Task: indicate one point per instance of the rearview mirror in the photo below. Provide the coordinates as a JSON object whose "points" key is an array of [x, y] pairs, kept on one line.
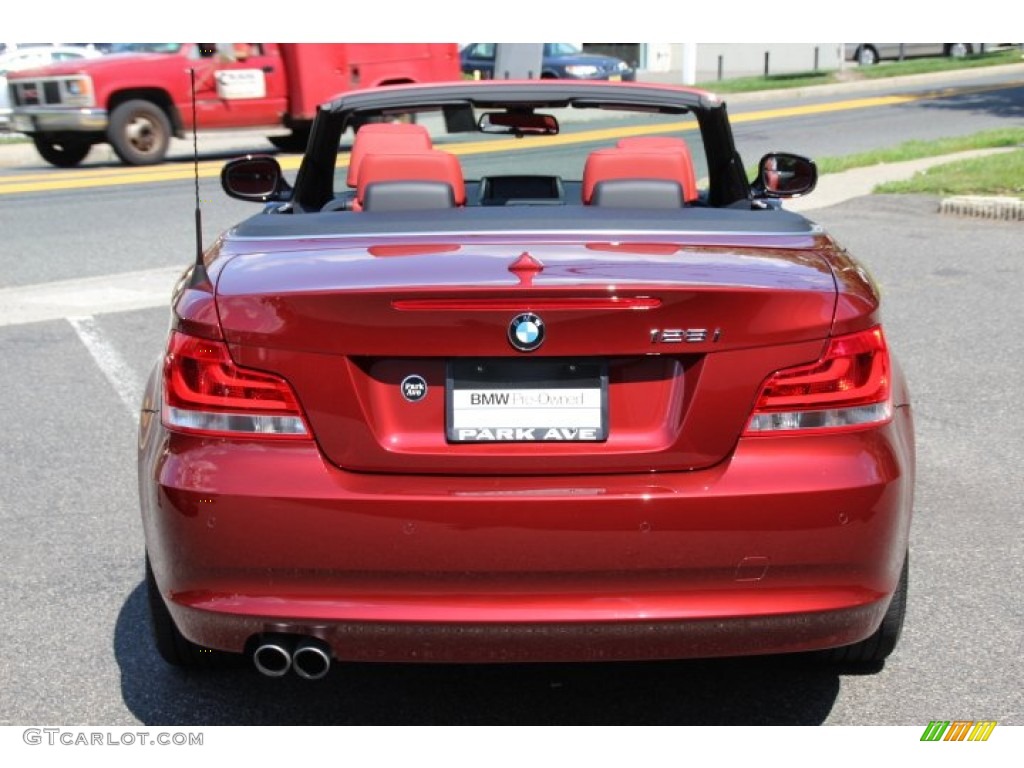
{"points": [[781, 174], [518, 123], [254, 178]]}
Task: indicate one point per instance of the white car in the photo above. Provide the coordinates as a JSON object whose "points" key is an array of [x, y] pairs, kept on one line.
{"points": [[29, 57]]}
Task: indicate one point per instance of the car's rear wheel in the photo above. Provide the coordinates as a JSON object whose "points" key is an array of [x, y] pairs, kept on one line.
{"points": [[174, 647], [63, 153], [881, 644]]}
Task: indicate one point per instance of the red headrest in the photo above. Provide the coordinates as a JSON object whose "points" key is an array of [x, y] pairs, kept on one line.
{"points": [[384, 137], [642, 157], [427, 165]]}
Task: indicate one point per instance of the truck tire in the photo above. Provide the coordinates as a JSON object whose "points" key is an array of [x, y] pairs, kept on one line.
{"points": [[139, 132], [295, 141], [63, 153], [359, 122]]}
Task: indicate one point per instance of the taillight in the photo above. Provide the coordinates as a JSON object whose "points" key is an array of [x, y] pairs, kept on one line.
{"points": [[849, 386], [206, 393]]}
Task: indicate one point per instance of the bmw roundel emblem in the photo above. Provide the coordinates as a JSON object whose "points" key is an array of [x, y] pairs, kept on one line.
{"points": [[526, 332]]}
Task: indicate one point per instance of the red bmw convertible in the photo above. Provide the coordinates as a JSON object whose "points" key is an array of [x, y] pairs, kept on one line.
{"points": [[527, 371]]}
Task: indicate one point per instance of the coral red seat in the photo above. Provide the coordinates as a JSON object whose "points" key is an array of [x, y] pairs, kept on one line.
{"points": [[385, 137], [641, 172], [411, 181]]}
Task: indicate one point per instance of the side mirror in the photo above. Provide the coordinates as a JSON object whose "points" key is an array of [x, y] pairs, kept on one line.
{"points": [[781, 174], [254, 178]]}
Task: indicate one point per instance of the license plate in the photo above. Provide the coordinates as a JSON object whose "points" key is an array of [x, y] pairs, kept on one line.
{"points": [[501, 400], [21, 123], [615, 78]]}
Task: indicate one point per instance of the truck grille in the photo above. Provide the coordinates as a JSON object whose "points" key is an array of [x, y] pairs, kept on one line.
{"points": [[30, 93]]}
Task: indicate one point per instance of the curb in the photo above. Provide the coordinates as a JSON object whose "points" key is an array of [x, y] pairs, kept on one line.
{"points": [[998, 208]]}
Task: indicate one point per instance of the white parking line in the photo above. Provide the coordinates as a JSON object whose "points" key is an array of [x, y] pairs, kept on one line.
{"points": [[88, 296], [114, 367]]}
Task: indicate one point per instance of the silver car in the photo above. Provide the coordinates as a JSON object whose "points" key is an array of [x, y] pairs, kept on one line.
{"points": [[872, 53]]}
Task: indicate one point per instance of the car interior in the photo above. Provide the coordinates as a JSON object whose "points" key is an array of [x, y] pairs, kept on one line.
{"points": [[426, 150], [395, 167]]}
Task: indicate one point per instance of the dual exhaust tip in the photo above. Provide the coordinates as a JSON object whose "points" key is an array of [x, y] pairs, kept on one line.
{"points": [[276, 655]]}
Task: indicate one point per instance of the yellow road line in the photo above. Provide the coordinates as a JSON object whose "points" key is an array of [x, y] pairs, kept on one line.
{"points": [[147, 175], [180, 167], [107, 177]]}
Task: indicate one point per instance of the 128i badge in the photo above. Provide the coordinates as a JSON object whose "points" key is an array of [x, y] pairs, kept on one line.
{"points": [[414, 388]]}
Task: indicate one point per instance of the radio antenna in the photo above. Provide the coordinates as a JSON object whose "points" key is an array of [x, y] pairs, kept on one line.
{"points": [[199, 269]]}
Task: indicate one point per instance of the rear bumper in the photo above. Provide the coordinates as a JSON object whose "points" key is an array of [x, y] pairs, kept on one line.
{"points": [[794, 543]]}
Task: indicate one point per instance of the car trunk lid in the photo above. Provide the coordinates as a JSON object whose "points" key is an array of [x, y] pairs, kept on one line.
{"points": [[663, 343]]}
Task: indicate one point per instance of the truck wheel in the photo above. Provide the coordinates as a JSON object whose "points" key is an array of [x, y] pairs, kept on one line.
{"points": [[139, 132], [359, 122], [62, 153], [295, 141]]}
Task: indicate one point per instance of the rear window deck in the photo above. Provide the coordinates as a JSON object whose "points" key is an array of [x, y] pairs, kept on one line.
{"points": [[528, 220]]}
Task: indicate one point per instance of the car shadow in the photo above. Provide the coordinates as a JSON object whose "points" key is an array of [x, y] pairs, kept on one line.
{"points": [[763, 691]]}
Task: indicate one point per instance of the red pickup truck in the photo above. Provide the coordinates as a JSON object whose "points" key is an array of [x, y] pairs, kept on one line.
{"points": [[137, 99]]}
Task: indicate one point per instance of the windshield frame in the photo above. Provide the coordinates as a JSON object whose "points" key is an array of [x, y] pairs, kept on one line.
{"points": [[728, 184]]}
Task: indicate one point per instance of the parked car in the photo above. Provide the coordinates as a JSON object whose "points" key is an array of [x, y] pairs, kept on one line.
{"points": [[29, 57], [534, 396], [559, 60], [871, 53]]}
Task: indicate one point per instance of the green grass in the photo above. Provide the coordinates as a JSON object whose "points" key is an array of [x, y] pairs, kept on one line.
{"points": [[938, 64], [998, 175], [851, 72], [915, 149], [912, 150], [761, 83]]}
